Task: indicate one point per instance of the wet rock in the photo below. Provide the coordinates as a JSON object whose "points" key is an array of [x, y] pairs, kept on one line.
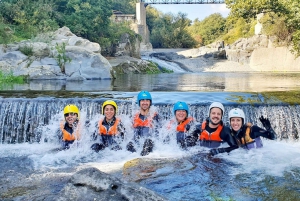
{"points": [[143, 168], [92, 184]]}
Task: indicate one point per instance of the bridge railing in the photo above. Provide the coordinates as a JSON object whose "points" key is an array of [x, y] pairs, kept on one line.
{"points": [[183, 1]]}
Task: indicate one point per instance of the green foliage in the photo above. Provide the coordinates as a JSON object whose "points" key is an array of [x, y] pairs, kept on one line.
{"points": [[208, 30], [88, 19], [10, 78], [6, 34], [28, 17], [113, 34], [296, 42], [275, 25], [26, 49], [170, 31], [239, 29], [282, 17], [61, 57], [250, 8], [165, 70], [125, 6]]}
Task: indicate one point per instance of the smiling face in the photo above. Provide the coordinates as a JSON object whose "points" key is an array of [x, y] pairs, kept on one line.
{"points": [[145, 104], [180, 115], [71, 118], [236, 123], [215, 115], [109, 112]]}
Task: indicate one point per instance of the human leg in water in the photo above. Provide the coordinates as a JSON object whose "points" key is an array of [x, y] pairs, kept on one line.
{"points": [[180, 137], [98, 147], [190, 141], [130, 147], [66, 144], [116, 147], [148, 147]]}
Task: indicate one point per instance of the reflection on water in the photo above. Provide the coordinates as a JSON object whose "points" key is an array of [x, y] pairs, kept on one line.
{"points": [[230, 82]]}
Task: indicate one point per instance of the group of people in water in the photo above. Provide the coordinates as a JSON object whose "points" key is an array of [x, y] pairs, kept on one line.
{"points": [[212, 133]]}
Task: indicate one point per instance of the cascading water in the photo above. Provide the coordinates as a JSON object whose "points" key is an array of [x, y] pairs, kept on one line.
{"points": [[28, 136], [22, 120]]}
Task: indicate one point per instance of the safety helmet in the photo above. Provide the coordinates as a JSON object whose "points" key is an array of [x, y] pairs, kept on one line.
{"points": [[181, 106], [110, 102], [237, 112], [217, 105], [71, 108], [144, 95]]}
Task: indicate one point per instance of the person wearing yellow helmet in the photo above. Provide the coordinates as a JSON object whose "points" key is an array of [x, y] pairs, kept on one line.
{"points": [[69, 128], [110, 128]]}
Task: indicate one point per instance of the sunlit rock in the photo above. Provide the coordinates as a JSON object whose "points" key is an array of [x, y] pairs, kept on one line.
{"points": [[143, 168], [92, 184]]}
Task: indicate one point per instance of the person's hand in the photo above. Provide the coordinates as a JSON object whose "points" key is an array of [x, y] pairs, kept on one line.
{"points": [[265, 122], [187, 127], [214, 152]]}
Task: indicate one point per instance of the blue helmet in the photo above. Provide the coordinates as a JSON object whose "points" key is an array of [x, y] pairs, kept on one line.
{"points": [[181, 106], [144, 95]]}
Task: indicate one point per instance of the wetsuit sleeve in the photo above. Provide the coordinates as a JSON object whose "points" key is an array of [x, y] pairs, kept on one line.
{"points": [[260, 132], [59, 134], [121, 129], [157, 124], [227, 137], [96, 132], [196, 131]]}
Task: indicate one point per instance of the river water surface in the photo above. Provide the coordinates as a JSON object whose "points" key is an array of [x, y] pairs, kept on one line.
{"points": [[271, 173]]}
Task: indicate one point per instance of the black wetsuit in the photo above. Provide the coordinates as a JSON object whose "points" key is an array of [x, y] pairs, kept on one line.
{"points": [[110, 140], [145, 132], [254, 134], [224, 135]]}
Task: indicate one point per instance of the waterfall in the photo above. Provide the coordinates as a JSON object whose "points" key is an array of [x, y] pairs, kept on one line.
{"points": [[23, 120]]}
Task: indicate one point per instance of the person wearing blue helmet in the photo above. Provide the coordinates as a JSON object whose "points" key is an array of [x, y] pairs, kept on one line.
{"points": [[182, 122], [145, 123]]}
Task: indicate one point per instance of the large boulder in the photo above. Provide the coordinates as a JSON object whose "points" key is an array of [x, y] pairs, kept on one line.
{"points": [[92, 184], [82, 58]]}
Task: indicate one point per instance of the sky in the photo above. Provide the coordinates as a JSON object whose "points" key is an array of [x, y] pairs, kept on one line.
{"points": [[193, 11]]}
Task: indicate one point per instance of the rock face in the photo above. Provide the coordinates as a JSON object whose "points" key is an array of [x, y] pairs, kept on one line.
{"points": [[263, 53], [86, 60], [92, 184]]}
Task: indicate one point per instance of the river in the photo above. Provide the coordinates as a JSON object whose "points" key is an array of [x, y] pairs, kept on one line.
{"points": [[271, 173]]}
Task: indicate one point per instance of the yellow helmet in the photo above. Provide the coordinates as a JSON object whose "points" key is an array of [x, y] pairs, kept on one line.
{"points": [[110, 102], [71, 108]]}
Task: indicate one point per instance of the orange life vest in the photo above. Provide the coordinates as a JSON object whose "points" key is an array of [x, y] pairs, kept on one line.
{"points": [[69, 136], [181, 126], [214, 136], [138, 122], [111, 131]]}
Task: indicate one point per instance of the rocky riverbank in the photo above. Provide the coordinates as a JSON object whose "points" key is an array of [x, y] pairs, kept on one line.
{"points": [[200, 60]]}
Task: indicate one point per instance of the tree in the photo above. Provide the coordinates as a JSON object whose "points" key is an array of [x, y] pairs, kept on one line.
{"points": [[209, 29], [250, 8], [170, 31], [89, 18]]}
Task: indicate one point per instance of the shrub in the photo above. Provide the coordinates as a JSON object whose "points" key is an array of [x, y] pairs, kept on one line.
{"points": [[61, 57], [26, 49]]}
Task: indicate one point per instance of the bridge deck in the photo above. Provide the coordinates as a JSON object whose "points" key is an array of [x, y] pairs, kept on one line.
{"points": [[183, 1]]}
